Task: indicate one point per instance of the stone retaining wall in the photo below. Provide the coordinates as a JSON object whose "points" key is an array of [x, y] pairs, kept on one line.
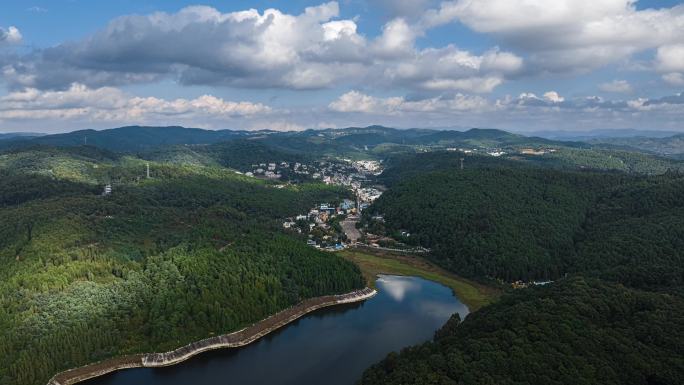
{"points": [[236, 339]]}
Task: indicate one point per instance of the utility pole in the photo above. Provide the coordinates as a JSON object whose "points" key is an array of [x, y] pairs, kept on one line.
{"points": [[462, 159], [85, 140]]}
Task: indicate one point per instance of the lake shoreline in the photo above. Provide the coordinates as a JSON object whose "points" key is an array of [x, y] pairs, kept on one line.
{"points": [[373, 262], [231, 340]]}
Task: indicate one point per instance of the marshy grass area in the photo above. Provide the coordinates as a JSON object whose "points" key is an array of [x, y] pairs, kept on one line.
{"points": [[474, 295]]}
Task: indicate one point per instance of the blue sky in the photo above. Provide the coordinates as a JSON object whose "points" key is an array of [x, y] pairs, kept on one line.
{"points": [[518, 65]]}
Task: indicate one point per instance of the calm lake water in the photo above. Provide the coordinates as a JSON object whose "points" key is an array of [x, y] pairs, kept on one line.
{"points": [[329, 346]]}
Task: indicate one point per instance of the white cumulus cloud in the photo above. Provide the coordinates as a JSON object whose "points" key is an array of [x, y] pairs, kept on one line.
{"points": [[10, 35], [199, 45], [670, 61], [567, 35], [108, 104], [355, 101]]}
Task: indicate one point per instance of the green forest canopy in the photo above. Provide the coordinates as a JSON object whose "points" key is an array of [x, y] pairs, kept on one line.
{"points": [[618, 318], [538, 223], [192, 252], [576, 332]]}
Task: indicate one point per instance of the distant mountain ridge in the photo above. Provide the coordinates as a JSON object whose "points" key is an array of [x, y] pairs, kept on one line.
{"points": [[130, 138], [142, 138], [604, 134], [13, 135], [672, 146], [338, 142]]}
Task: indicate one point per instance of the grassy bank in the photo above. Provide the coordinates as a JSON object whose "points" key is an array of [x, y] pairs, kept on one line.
{"points": [[372, 263]]}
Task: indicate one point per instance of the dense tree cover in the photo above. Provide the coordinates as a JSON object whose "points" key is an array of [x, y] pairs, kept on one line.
{"points": [[16, 189], [530, 223], [671, 146], [521, 221], [609, 159], [239, 154], [406, 166], [238, 148], [635, 234], [577, 331], [79, 164], [403, 166], [503, 223], [192, 252], [130, 139]]}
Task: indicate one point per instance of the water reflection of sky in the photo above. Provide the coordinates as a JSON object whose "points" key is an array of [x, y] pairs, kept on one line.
{"points": [[331, 346], [397, 287]]}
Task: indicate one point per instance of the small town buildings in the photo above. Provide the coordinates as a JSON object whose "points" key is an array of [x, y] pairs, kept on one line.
{"points": [[531, 151], [347, 204]]}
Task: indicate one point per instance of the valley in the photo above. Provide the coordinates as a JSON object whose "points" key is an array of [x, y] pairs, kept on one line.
{"points": [[110, 253]]}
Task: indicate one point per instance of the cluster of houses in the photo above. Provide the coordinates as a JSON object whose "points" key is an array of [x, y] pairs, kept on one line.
{"points": [[334, 172], [318, 224], [368, 195], [368, 167], [322, 224], [536, 151], [523, 284], [489, 151], [270, 170], [499, 152]]}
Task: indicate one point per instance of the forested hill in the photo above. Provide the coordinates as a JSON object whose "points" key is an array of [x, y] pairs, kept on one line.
{"points": [[128, 139], [579, 331], [239, 154], [537, 223], [191, 252], [613, 243], [374, 142], [669, 146]]}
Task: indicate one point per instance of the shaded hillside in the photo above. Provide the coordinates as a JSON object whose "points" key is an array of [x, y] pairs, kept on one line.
{"points": [[483, 137], [635, 234], [18, 135], [503, 220], [579, 331], [508, 223], [129, 139], [668, 146]]}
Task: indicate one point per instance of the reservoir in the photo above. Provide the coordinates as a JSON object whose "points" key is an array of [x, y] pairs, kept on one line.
{"points": [[329, 346]]}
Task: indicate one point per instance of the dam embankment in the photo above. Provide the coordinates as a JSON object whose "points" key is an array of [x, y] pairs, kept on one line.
{"points": [[231, 340]]}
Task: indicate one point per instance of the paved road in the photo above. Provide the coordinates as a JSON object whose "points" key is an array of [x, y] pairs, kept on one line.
{"points": [[350, 230]]}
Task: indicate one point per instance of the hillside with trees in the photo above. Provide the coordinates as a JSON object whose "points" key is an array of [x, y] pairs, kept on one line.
{"points": [[578, 331], [197, 248], [189, 253], [198, 146], [612, 243], [535, 223]]}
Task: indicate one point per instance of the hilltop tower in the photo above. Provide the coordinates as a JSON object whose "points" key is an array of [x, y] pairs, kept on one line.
{"points": [[148, 170], [462, 159]]}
